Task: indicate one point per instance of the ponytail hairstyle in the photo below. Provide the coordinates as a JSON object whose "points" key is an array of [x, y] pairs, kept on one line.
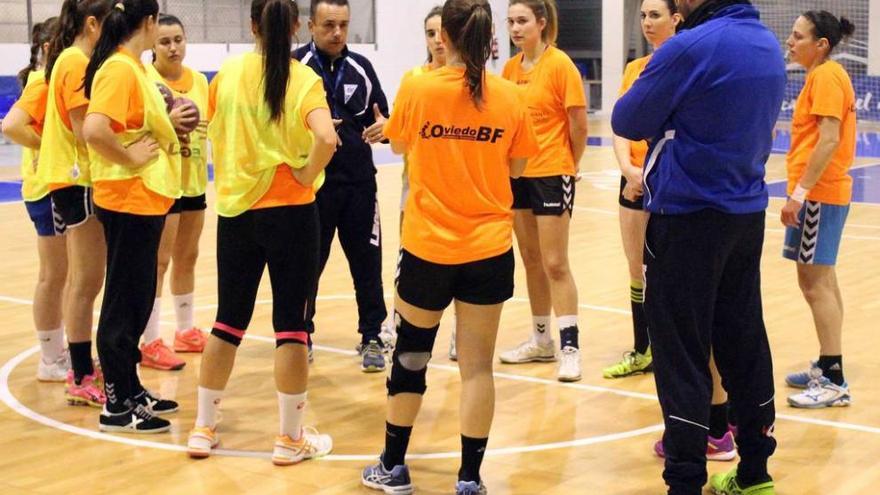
{"points": [[468, 24], [121, 23], [169, 20], [826, 25], [40, 35], [547, 10], [275, 22], [435, 11], [670, 4], [71, 23]]}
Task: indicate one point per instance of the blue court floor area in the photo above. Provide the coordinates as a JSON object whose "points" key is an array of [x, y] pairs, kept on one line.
{"points": [[866, 179]]}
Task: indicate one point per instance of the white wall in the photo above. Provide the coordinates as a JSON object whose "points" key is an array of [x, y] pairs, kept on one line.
{"points": [[399, 44], [874, 38]]}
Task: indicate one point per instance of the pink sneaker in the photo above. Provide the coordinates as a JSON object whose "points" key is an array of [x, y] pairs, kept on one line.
{"points": [[159, 356], [718, 449], [87, 393], [190, 340]]}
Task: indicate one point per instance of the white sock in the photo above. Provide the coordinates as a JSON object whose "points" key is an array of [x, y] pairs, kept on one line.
{"points": [[183, 308], [567, 321], [209, 403], [51, 344], [151, 332], [541, 329], [291, 409]]}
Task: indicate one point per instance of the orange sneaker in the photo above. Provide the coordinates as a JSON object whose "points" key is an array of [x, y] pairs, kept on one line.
{"points": [[310, 445], [190, 340], [157, 355], [201, 441]]}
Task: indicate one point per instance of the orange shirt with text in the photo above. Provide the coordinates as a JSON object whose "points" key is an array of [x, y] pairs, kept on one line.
{"points": [[459, 207], [551, 87]]}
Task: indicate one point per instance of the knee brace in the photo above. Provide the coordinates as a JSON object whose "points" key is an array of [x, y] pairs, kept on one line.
{"points": [[227, 333], [410, 359], [293, 337]]}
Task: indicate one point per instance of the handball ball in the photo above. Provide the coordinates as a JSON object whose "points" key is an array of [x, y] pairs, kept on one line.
{"points": [[184, 102], [167, 95]]}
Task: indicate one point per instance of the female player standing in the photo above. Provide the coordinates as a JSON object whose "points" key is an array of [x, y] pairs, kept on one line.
{"points": [[183, 225], [64, 165], [544, 195], [136, 175], [823, 142], [272, 137], [23, 125], [466, 134]]}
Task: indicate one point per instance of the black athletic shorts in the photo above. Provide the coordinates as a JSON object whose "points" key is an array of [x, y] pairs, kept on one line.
{"points": [[195, 203], [74, 204], [544, 195], [638, 204], [433, 286]]}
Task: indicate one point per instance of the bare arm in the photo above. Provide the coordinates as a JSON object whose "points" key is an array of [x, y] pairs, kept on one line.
{"points": [[99, 135], [829, 141], [17, 127], [323, 147], [517, 167], [577, 125], [77, 119]]}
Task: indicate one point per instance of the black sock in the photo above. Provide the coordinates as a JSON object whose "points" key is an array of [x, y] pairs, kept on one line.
{"points": [[641, 340], [396, 443], [731, 414], [81, 360], [114, 404], [472, 451], [568, 337], [718, 420], [832, 368]]}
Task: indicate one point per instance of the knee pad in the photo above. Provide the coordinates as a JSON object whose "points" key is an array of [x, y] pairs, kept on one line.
{"points": [[410, 359], [295, 337]]}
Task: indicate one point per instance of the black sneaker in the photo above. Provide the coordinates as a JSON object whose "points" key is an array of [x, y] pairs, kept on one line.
{"points": [[135, 420], [155, 405]]}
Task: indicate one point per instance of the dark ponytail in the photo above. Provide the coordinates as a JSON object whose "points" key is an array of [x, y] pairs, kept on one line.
{"points": [[468, 23], [826, 25], [41, 34], [276, 22], [71, 22], [121, 23]]}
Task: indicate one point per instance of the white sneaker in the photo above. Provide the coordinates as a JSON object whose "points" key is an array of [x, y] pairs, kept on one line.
{"points": [[201, 441], [310, 445], [569, 365], [819, 395], [529, 351], [453, 354], [54, 372]]}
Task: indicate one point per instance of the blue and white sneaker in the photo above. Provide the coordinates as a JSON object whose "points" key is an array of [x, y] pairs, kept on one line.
{"points": [[373, 360], [394, 482], [803, 378], [820, 395], [470, 488]]}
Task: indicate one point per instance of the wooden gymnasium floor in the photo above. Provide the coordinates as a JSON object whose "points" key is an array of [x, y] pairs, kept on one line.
{"points": [[592, 437]]}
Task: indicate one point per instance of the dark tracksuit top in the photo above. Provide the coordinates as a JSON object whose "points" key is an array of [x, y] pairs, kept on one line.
{"points": [[347, 201]]}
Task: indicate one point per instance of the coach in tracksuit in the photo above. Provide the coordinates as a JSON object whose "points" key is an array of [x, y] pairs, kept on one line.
{"points": [[708, 101], [347, 201]]}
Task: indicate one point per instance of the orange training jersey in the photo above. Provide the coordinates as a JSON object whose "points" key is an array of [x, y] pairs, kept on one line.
{"points": [[552, 86], [638, 150], [117, 95], [828, 92], [459, 206]]}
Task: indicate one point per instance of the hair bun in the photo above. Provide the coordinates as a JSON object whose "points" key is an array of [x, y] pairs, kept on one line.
{"points": [[847, 28]]}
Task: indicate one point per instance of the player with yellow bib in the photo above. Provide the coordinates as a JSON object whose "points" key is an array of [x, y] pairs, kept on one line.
{"points": [[272, 137], [135, 169]]}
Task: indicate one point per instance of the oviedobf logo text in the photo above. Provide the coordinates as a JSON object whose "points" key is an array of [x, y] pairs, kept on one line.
{"points": [[479, 134]]}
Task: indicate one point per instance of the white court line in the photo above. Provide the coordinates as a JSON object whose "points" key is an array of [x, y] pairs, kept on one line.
{"points": [[7, 397]]}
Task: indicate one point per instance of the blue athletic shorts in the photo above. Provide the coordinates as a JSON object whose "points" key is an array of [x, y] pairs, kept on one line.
{"points": [[46, 220], [817, 240]]}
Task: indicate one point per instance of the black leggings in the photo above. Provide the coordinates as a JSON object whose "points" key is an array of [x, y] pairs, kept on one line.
{"points": [[284, 238], [129, 293]]}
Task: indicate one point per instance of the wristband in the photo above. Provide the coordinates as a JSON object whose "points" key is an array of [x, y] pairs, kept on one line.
{"points": [[799, 194]]}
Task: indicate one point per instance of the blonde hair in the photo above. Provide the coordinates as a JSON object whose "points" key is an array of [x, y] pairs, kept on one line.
{"points": [[547, 10]]}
